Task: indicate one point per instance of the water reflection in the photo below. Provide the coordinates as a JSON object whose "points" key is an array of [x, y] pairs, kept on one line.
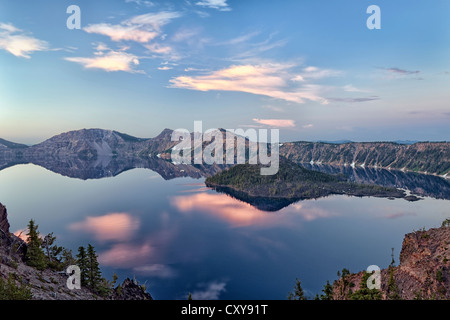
{"points": [[109, 227], [111, 166], [180, 237], [420, 184]]}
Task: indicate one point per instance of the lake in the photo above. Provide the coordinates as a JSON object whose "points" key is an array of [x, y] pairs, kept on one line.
{"points": [[177, 236]]}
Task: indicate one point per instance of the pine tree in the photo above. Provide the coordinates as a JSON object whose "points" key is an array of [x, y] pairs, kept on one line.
{"points": [[364, 293], [392, 290], [67, 258], [52, 251], [328, 292], [94, 278], [298, 293], [35, 256], [82, 263]]}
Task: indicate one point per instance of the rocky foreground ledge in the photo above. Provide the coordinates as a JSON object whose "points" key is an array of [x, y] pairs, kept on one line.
{"points": [[49, 284], [422, 274]]}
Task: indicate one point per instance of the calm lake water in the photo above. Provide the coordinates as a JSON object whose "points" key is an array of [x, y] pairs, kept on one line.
{"points": [[178, 236]]}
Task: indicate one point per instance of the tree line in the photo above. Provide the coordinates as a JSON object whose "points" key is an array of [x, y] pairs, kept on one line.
{"points": [[43, 253]]}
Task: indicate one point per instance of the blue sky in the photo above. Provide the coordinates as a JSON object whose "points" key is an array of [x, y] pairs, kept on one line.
{"points": [[310, 68]]}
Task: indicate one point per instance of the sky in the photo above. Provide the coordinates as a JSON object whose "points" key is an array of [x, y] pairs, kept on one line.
{"points": [[312, 69]]}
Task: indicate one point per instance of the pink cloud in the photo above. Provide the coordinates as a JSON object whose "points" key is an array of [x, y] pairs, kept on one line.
{"points": [[122, 32], [236, 212], [270, 79], [282, 123], [125, 255], [113, 226], [110, 61]]}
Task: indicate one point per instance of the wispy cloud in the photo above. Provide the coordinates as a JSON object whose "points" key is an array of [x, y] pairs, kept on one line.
{"points": [[268, 79], [109, 61], [281, 123], [141, 28], [155, 270], [402, 71], [155, 20], [221, 5], [16, 42], [351, 88], [398, 73], [315, 73], [353, 100], [141, 2], [209, 291]]}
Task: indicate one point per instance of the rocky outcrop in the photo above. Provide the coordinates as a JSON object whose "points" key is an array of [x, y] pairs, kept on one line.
{"points": [[4, 224], [423, 271], [131, 290]]}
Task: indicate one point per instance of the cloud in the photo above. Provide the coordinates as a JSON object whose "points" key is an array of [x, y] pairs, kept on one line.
{"points": [[19, 44], [142, 29], [315, 73], [214, 4], [22, 234], [154, 20], [398, 73], [353, 100], [110, 61], [159, 49], [351, 88], [141, 2], [307, 126], [122, 32], [155, 270], [210, 291], [112, 226], [401, 71], [268, 79], [235, 212], [276, 122], [124, 255]]}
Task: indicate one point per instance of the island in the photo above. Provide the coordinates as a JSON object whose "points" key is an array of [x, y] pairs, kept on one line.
{"points": [[291, 183]]}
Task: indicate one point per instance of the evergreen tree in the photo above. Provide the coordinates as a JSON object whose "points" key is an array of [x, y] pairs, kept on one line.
{"points": [[82, 263], [35, 256], [365, 293], [298, 293], [94, 278], [67, 258], [344, 274], [328, 292], [392, 289], [9, 290], [52, 251]]}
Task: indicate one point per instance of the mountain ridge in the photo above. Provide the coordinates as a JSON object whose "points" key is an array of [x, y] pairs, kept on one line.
{"points": [[423, 157]]}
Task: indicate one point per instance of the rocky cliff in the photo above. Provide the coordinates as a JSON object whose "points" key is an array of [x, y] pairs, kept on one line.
{"points": [[423, 271], [425, 157], [49, 284]]}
